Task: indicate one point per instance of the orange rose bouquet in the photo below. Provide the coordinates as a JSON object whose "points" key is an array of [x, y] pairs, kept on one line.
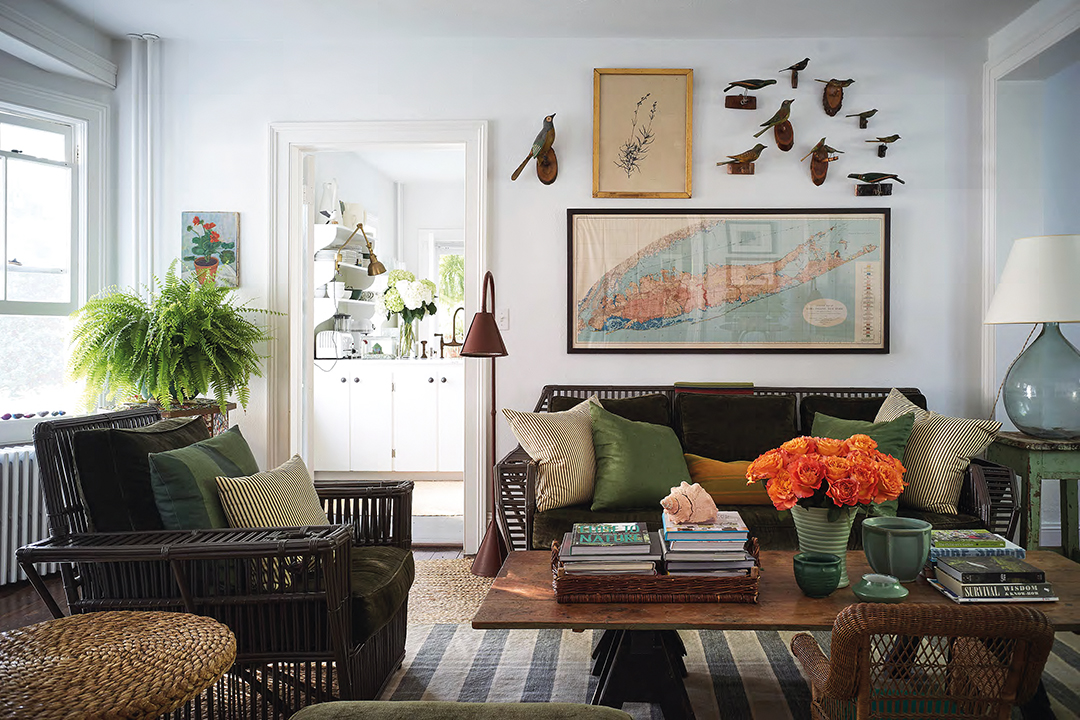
{"points": [[825, 473]]}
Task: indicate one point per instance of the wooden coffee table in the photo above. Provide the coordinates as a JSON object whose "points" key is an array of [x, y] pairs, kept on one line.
{"points": [[640, 658]]}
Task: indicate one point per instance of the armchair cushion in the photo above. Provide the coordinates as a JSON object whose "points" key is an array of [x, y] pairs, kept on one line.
{"points": [[114, 471], [845, 407], [184, 480], [380, 578], [282, 497], [937, 454], [655, 408], [734, 427]]}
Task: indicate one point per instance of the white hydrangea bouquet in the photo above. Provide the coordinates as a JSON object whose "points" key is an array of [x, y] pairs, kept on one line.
{"points": [[410, 298]]}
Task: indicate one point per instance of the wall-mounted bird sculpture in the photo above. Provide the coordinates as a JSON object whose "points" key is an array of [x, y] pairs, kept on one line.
{"points": [[864, 117], [874, 178], [832, 98], [781, 116], [819, 165], [745, 157], [750, 84], [801, 65], [883, 143], [543, 153]]}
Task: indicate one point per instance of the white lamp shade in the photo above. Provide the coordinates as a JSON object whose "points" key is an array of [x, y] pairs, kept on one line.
{"points": [[1040, 282]]}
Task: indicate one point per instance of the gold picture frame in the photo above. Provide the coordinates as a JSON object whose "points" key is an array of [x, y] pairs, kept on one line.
{"points": [[642, 132]]}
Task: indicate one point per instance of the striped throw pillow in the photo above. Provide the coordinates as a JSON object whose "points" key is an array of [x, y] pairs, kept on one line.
{"points": [[937, 454], [561, 444], [282, 497]]}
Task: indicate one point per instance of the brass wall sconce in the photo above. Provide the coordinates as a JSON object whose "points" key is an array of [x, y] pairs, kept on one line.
{"points": [[374, 266]]}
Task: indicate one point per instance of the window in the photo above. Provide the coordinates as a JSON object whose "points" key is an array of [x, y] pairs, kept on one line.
{"points": [[41, 231], [449, 258]]}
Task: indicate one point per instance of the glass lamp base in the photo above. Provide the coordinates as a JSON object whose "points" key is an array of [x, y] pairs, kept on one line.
{"points": [[1042, 388]]}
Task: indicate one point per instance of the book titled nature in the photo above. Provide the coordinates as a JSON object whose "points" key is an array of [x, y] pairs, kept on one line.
{"points": [[957, 599], [990, 569], [610, 534], [965, 538], [569, 552], [727, 525], [1016, 591]]}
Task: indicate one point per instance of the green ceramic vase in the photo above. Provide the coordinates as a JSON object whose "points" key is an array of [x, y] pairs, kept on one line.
{"points": [[896, 546], [817, 534], [816, 574]]}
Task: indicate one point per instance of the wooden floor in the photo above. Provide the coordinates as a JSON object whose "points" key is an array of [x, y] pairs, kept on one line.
{"points": [[20, 604]]}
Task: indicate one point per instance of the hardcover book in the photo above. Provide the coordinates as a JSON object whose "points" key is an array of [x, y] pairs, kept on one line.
{"points": [[568, 552], [957, 599], [727, 525], [990, 569], [725, 565], [965, 538], [1010, 549], [1015, 591], [611, 534]]}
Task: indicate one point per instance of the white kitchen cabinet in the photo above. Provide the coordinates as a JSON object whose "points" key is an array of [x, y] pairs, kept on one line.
{"points": [[393, 415]]}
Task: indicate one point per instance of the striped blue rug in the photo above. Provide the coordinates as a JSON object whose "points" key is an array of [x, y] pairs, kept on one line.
{"points": [[753, 672]]}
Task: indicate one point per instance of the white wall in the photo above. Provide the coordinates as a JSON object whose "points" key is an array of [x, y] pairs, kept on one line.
{"points": [[219, 98], [1061, 152]]}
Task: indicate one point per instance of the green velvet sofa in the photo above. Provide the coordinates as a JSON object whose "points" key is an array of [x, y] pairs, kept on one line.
{"points": [[408, 710], [729, 425]]}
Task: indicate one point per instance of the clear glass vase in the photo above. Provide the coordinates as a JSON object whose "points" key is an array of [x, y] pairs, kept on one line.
{"points": [[406, 339], [1042, 388]]}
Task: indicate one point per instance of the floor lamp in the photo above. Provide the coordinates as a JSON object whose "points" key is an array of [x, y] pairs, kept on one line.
{"points": [[484, 341]]}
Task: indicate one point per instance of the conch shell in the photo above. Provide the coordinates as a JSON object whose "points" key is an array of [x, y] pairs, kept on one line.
{"points": [[689, 504]]}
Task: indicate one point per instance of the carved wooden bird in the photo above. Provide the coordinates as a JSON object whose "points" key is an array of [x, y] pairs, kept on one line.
{"points": [[838, 83], [876, 177], [745, 157], [540, 145], [885, 140], [751, 84], [821, 147], [865, 114], [801, 65], [781, 115]]}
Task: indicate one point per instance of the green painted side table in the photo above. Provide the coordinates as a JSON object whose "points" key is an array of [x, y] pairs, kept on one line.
{"points": [[1034, 460]]}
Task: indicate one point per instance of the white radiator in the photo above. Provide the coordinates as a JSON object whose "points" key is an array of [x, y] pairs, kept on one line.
{"points": [[23, 518]]}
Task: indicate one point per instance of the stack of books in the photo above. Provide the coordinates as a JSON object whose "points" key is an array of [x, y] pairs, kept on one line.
{"points": [[991, 578], [971, 543], [712, 548], [610, 549]]}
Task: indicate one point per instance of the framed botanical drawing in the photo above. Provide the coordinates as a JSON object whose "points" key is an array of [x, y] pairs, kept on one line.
{"points": [[642, 132], [673, 281], [209, 250]]}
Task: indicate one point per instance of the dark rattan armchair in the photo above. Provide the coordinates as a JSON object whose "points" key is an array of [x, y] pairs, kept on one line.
{"points": [[285, 592], [926, 661]]}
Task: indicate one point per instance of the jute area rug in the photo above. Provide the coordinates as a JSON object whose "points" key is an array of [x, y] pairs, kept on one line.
{"points": [[732, 675]]}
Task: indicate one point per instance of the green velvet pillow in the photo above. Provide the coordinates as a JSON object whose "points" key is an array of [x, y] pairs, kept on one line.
{"points": [[637, 463], [114, 473], [185, 480], [891, 438]]}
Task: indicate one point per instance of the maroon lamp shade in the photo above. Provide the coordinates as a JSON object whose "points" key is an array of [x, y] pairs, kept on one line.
{"points": [[483, 338]]}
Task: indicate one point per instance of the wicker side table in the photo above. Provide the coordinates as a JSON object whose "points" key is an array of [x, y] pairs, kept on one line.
{"points": [[111, 664]]}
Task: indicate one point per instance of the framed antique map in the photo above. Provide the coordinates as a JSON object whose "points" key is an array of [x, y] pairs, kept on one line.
{"points": [[728, 281]]}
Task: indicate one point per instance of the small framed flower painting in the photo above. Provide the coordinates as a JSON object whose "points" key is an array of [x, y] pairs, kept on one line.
{"points": [[209, 249]]}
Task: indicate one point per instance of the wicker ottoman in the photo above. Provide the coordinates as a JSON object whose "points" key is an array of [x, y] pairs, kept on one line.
{"points": [[111, 664]]}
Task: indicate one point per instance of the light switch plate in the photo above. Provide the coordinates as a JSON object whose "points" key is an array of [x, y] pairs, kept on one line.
{"points": [[502, 319]]}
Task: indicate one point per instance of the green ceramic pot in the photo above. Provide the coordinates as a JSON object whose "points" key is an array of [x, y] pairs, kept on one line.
{"points": [[817, 574], [896, 546], [879, 588]]}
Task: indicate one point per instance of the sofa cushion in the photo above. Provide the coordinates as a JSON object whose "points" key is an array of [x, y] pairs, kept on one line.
{"points": [[637, 463], [282, 497], [734, 427], [561, 445], [551, 525], [185, 479], [114, 470], [445, 710], [655, 408], [937, 454], [842, 407], [726, 481], [379, 579], [891, 438]]}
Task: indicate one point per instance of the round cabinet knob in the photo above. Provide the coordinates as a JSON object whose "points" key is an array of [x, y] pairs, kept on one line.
{"points": [[342, 379], [356, 379], [442, 379], [431, 380]]}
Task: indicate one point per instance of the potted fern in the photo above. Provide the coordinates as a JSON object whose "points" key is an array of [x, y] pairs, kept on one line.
{"points": [[187, 340]]}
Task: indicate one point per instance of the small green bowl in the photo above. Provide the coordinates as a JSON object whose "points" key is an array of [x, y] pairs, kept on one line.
{"points": [[817, 574]]}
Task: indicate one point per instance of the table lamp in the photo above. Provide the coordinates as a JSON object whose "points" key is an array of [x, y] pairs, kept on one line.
{"points": [[484, 341], [1041, 284]]}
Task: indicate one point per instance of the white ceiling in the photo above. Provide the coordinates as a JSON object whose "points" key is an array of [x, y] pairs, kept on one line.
{"points": [[693, 19]]}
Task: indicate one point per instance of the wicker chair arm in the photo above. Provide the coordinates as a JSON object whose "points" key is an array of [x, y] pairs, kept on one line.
{"points": [[516, 501], [990, 493], [379, 512], [806, 649]]}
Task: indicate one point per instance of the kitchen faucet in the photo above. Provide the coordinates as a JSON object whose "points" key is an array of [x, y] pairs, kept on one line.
{"points": [[453, 341]]}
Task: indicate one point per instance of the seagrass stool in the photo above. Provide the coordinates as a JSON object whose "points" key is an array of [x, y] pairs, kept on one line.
{"points": [[111, 664], [915, 660]]}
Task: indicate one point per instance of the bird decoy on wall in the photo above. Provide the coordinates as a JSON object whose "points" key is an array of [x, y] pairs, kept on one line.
{"points": [[864, 117], [832, 98], [819, 163], [743, 163], [782, 130], [801, 65], [875, 183], [547, 164], [744, 101], [884, 143]]}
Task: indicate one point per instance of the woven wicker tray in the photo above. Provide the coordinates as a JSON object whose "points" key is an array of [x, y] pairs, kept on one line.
{"points": [[655, 588]]}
